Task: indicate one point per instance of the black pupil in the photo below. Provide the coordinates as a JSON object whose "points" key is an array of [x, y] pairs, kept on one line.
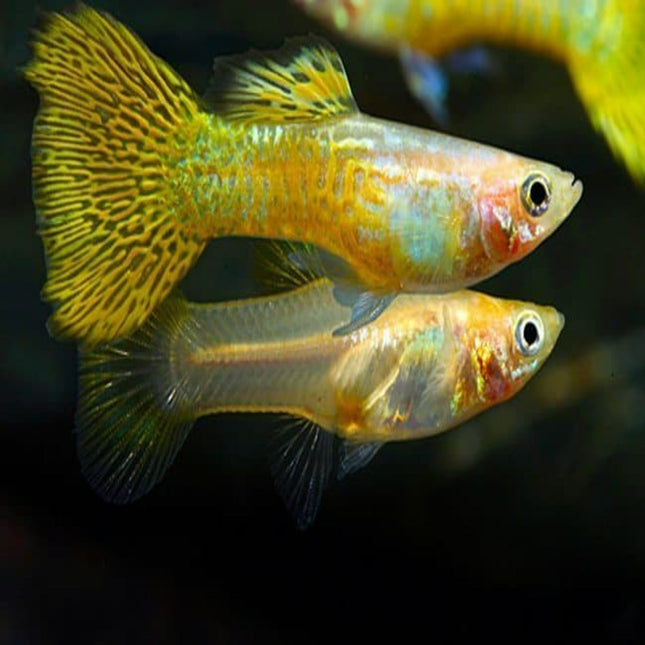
{"points": [[537, 193], [530, 333]]}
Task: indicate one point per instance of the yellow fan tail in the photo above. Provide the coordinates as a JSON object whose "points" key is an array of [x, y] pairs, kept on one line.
{"points": [[111, 114]]}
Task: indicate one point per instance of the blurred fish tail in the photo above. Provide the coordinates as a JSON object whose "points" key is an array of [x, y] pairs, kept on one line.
{"points": [[131, 420], [606, 64], [111, 114]]}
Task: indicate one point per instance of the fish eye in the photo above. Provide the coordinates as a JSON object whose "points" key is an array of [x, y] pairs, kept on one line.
{"points": [[529, 333], [536, 194]]}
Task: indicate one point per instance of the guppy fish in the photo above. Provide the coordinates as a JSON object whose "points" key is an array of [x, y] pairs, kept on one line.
{"points": [[133, 173], [602, 43], [428, 363]]}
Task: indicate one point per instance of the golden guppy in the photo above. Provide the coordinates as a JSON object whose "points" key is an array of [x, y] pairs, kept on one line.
{"points": [[602, 43], [133, 173], [428, 363]]}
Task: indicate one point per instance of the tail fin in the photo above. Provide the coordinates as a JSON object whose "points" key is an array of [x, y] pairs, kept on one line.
{"points": [[130, 421], [110, 115], [607, 70]]}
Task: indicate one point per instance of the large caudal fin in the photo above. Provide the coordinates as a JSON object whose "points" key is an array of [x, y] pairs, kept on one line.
{"points": [[130, 421], [607, 70], [111, 114]]}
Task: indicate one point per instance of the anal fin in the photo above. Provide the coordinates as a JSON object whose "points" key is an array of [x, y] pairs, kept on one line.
{"points": [[303, 461], [301, 468]]}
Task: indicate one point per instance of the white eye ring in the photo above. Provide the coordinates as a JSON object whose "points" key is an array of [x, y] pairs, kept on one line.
{"points": [[529, 333], [536, 194]]}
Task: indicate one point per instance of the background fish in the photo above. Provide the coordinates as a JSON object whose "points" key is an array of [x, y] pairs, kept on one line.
{"points": [[133, 174], [427, 364], [602, 43]]}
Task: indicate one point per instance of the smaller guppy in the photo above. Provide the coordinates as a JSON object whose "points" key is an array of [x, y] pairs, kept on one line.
{"points": [[428, 363], [602, 43], [134, 173]]}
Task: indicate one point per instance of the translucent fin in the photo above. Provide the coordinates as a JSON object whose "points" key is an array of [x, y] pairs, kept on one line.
{"points": [[348, 291], [285, 265], [366, 307], [301, 467], [130, 422], [428, 82], [354, 456], [310, 260], [422, 392], [606, 64], [281, 265], [288, 264], [302, 81], [110, 113]]}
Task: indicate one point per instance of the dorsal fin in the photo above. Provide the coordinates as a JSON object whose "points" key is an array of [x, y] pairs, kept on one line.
{"points": [[304, 80]]}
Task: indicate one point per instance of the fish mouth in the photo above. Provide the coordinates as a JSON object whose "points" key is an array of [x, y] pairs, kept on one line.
{"points": [[553, 321], [570, 194], [576, 189], [556, 324], [561, 320]]}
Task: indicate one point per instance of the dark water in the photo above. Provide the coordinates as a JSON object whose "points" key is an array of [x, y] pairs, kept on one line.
{"points": [[529, 522]]}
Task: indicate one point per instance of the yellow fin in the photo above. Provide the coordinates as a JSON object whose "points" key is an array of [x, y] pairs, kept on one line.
{"points": [[110, 114], [607, 69], [302, 81]]}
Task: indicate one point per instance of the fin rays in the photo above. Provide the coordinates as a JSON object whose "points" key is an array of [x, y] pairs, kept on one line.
{"points": [[109, 116], [301, 467], [303, 461], [129, 423], [302, 81]]}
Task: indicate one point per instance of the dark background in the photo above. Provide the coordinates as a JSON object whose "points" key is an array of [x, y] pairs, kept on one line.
{"points": [[527, 522]]}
